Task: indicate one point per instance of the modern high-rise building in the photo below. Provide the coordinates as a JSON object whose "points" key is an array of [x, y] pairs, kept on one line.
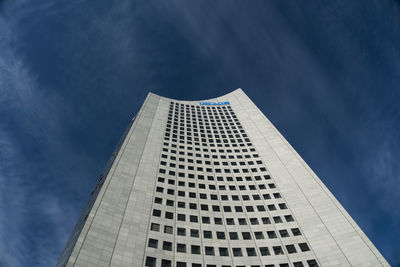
{"points": [[214, 184]]}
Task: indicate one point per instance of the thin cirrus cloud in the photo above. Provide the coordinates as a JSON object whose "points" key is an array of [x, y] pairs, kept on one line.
{"points": [[73, 74]]}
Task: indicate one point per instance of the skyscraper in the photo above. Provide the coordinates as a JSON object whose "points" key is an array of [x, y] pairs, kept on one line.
{"points": [[214, 184]]}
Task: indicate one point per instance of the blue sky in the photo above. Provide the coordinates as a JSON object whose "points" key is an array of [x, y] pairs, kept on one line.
{"points": [[73, 74]]}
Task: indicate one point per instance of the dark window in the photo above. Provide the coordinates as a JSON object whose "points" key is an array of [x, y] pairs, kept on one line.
{"points": [[223, 252], [167, 245], [209, 251], [195, 249], [153, 243], [291, 249], [181, 248], [150, 262], [237, 252], [304, 247], [264, 251]]}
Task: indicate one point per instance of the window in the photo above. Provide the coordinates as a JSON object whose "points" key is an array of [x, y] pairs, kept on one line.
{"points": [[167, 246], [237, 252], [168, 229], [291, 249], [165, 263], [289, 218], [169, 215], [155, 227], [283, 233], [194, 233], [251, 252], [221, 235], [153, 243], [207, 234], [223, 252], [278, 250], [304, 247], [181, 248], [296, 231], [246, 235], [209, 251], [181, 231], [233, 236], [195, 249], [271, 234], [217, 220], [180, 264], [150, 262], [264, 251], [242, 221], [259, 235], [312, 263], [181, 217], [194, 218], [298, 264], [266, 220], [156, 213]]}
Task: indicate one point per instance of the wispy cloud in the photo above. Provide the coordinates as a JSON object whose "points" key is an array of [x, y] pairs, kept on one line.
{"points": [[30, 209]]}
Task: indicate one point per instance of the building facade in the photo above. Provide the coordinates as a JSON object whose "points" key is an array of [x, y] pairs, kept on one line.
{"points": [[213, 184]]}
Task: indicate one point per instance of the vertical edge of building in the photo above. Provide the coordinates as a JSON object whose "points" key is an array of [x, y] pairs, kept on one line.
{"points": [[117, 208], [333, 235]]}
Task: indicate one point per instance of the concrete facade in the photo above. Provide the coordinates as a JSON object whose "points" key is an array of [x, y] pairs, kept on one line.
{"points": [[212, 183]]}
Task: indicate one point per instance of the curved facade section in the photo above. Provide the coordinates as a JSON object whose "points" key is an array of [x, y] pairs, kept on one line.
{"points": [[212, 183]]}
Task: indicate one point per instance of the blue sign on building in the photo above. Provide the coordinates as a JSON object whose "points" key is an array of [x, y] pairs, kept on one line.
{"points": [[214, 103]]}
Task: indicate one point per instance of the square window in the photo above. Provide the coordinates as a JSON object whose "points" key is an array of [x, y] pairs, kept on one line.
{"points": [[278, 250], [264, 251], [277, 219], [217, 220], [150, 262], [289, 218], [251, 252], [220, 235], [181, 231], [223, 252], [153, 243], [312, 263], [169, 215], [181, 248], [194, 218], [167, 246], [298, 264], [195, 249], [246, 235], [259, 235], [207, 234], [155, 227], [271, 234], [296, 231], [181, 217], [266, 220], [237, 252], [209, 251], [304, 247], [283, 233], [180, 264], [156, 213], [233, 236], [205, 220], [166, 263], [194, 233], [242, 221], [291, 249]]}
